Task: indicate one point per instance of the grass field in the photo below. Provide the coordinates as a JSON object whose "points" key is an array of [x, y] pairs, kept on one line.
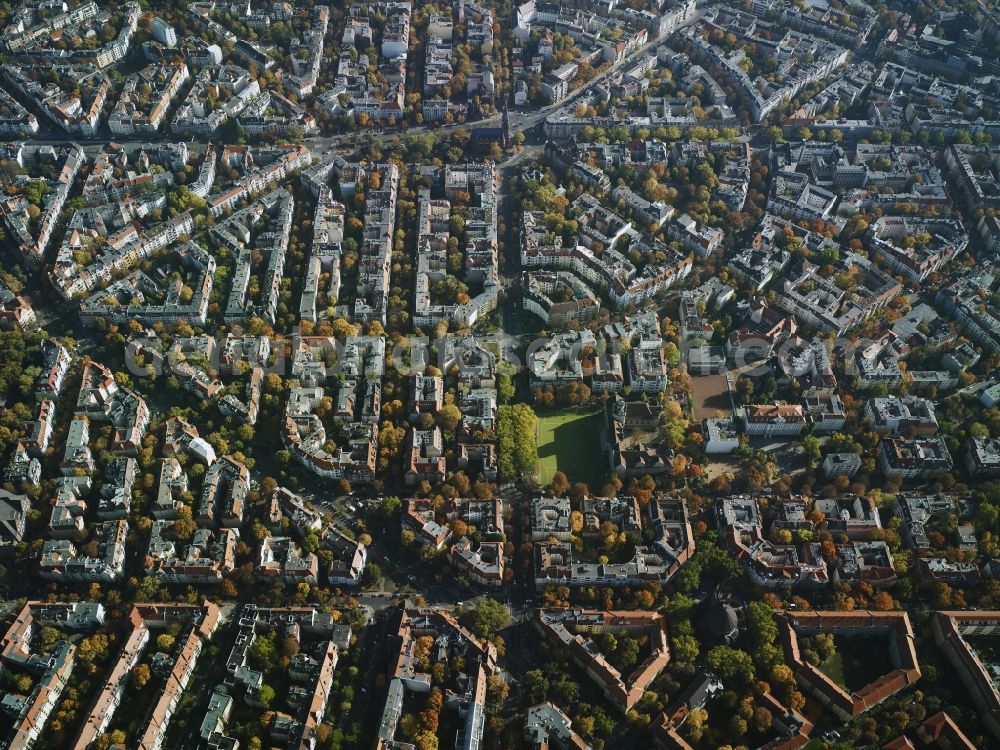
{"points": [[858, 661], [570, 441]]}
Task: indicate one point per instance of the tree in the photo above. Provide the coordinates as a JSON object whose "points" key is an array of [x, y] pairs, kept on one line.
{"points": [[289, 646], [685, 648], [737, 726], [12, 351], [744, 388], [310, 542], [813, 449], [449, 416], [266, 695], [979, 430], [518, 449], [390, 508], [263, 652], [372, 574], [574, 394], [731, 663], [496, 690], [694, 727], [782, 674], [342, 328], [672, 353], [674, 425], [506, 389], [534, 687], [91, 648], [184, 526], [559, 485], [49, 637], [628, 653], [116, 738], [141, 675], [882, 601], [762, 720], [486, 618], [829, 550], [165, 642]]}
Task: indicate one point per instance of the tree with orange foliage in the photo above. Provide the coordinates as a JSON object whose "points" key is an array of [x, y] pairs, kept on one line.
{"points": [[882, 602], [829, 550]]}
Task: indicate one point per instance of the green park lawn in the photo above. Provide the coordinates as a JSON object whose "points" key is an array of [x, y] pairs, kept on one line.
{"points": [[859, 661], [570, 441]]}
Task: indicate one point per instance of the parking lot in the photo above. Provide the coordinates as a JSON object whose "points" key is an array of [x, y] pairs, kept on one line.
{"points": [[343, 508]]}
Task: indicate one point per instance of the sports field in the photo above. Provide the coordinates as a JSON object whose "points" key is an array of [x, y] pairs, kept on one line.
{"points": [[570, 441], [710, 394]]}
